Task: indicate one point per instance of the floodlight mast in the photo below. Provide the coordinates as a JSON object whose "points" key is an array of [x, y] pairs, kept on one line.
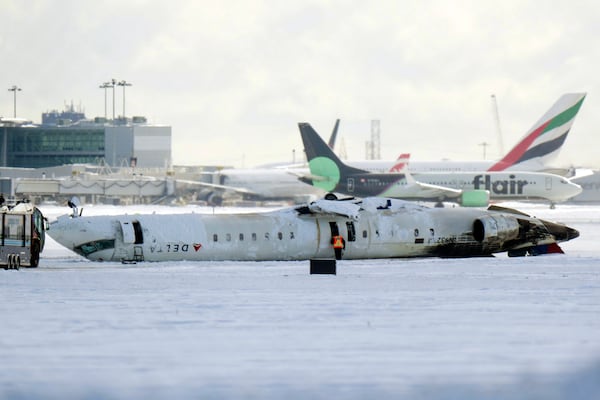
{"points": [[124, 83], [113, 82], [105, 86], [14, 89]]}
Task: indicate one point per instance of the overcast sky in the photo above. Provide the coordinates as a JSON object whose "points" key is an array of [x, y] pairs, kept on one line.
{"points": [[233, 78]]}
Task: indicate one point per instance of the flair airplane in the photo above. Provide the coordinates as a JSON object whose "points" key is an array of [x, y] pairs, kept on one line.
{"points": [[534, 152], [329, 173], [370, 228]]}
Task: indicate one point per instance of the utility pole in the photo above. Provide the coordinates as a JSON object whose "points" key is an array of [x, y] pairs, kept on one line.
{"points": [[124, 83], [14, 89]]}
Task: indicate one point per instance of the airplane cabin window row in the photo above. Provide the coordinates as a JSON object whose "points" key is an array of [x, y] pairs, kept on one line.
{"points": [[253, 236], [280, 236]]}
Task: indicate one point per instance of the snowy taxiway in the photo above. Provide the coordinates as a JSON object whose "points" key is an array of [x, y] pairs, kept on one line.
{"points": [[421, 328]]}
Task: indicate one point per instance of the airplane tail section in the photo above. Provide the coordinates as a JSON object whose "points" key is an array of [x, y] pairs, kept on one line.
{"points": [[545, 139], [322, 161], [401, 164], [334, 133]]}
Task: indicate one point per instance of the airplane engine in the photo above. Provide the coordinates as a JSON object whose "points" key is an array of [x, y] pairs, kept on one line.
{"points": [[475, 198], [214, 199], [495, 228]]}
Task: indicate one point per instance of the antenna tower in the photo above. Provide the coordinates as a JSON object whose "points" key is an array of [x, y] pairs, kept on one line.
{"points": [[373, 147]]}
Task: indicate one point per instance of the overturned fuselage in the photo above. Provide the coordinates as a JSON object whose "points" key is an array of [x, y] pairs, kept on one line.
{"points": [[371, 228]]}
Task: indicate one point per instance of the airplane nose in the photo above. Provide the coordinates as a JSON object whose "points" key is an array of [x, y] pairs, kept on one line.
{"points": [[576, 189]]}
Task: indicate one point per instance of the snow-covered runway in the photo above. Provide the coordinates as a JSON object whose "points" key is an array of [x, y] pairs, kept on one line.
{"points": [[421, 328]]}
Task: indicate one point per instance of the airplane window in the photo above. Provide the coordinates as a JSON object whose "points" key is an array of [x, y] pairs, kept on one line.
{"points": [[280, 235], [241, 237], [351, 231], [416, 232], [365, 234], [291, 235], [431, 231], [92, 247], [215, 238], [228, 237], [253, 237], [267, 236]]}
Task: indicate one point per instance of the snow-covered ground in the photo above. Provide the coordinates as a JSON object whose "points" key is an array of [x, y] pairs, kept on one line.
{"points": [[502, 328]]}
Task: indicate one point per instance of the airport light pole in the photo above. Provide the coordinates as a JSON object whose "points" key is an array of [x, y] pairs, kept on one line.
{"points": [[124, 83], [105, 86], [14, 89], [113, 82]]}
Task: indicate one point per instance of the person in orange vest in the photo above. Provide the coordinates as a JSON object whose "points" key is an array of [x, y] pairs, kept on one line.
{"points": [[339, 244]]}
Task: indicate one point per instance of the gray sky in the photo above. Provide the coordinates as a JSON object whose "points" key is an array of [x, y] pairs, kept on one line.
{"points": [[233, 78]]}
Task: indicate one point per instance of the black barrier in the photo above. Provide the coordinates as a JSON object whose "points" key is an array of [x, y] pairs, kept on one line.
{"points": [[322, 266]]}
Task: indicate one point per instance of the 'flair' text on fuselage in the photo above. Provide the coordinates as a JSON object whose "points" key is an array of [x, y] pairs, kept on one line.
{"points": [[501, 186]]}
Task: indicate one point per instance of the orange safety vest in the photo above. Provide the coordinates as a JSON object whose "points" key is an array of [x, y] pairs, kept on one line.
{"points": [[337, 242]]}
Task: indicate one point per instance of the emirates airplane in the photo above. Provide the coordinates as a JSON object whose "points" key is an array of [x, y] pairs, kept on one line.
{"points": [[535, 151]]}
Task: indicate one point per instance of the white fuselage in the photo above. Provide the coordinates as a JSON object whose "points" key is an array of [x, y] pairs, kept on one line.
{"points": [[271, 183], [448, 166], [383, 228], [519, 185], [423, 166], [507, 185]]}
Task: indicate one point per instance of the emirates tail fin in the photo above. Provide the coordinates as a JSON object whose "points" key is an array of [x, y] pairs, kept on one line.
{"points": [[544, 140]]}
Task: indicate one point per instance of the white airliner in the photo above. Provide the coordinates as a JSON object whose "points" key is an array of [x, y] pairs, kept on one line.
{"points": [[329, 173], [371, 228], [535, 151]]}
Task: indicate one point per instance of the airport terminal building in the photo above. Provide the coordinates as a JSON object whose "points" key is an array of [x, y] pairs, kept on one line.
{"points": [[66, 150], [126, 142]]}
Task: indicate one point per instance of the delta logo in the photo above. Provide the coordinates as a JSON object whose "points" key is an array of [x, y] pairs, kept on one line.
{"points": [[500, 186]]}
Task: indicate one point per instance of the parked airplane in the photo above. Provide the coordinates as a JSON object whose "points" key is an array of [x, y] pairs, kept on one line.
{"points": [[274, 182], [329, 173], [259, 184], [371, 228], [534, 152]]}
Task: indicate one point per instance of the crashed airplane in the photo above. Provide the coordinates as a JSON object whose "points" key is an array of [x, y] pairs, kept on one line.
{"points": [[369, 228]]}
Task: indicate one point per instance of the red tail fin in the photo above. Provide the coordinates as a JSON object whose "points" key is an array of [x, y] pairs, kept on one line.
{"points": [[401, 163]]}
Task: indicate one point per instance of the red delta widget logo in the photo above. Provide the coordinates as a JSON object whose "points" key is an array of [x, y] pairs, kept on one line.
{"points": [[500, 186]]}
